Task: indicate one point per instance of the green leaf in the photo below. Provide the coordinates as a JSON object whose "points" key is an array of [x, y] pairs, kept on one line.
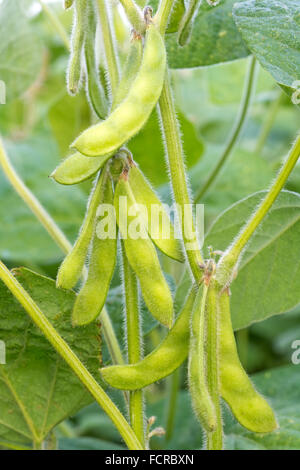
{"points": [[281, 388], [37, 388], [87, 443], [214, 39], [21, 51], [268, 281], [22, 237], [271, 29]]}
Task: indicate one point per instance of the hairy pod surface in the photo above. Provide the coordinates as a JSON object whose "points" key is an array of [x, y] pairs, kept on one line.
{"points": [[71, 268], [197, 370], [161, 362], [160, 229], [142, 255], [78, 168], [131, 115], [77, 41], [130, 71], [247, 405], [92, 296], [94, 90]]}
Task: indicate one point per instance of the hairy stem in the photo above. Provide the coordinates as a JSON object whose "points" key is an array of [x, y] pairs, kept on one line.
{"points": [[174, 384], [134, 15], [232, 255], [54, 20], [133, 344], [68, 355], [109, 46], [214, 439], [236, 131], [163, 14], [175, 157]]}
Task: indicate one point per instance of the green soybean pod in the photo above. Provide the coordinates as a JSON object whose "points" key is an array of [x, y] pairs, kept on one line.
{"points": [[77, 41], [142, 255], [71, 268], [92, 296], [78, 168], [131, 68], [248, 406], [197, 370], [131, 115], [161, 362], [186, 24], [94, 90], [160, 228]]}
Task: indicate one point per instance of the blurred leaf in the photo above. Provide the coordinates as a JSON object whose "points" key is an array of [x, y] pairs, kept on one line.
{"points": [[21, 51], [268, 281], [281, 388], [271, 29], [148, 150], [214, 39], [22, 238], [37, 387]]}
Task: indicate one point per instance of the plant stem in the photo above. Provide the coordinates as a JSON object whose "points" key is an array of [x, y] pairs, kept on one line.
{"points": [[268, 122], [133, 344], [174, 383], [68, 355], [59, 238], [109, 46], [214, 439], [250, 227], [54, 20], [163, 14], [174, 152], [134, 15], [31, 201], [249, 88]]}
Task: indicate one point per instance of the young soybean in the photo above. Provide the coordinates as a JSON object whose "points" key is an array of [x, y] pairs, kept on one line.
{"points": [[142, 255], [94, 90], [78, 168], [197, 371], [247, 405], [92, 297], [71, 268], [161, 230], [130, 116], [77, 40], [166, 358], [131, 68], [186, 24]]}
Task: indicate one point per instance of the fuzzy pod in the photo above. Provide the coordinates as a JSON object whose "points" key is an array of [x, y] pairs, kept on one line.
{"points": [[248, 406], [131, 115], [130, 71], [142, 255], [94, 89], [161, 230], [74, 73], [92, 296], [197, 369], [161, 362], [72, 266], [78, 168]]}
